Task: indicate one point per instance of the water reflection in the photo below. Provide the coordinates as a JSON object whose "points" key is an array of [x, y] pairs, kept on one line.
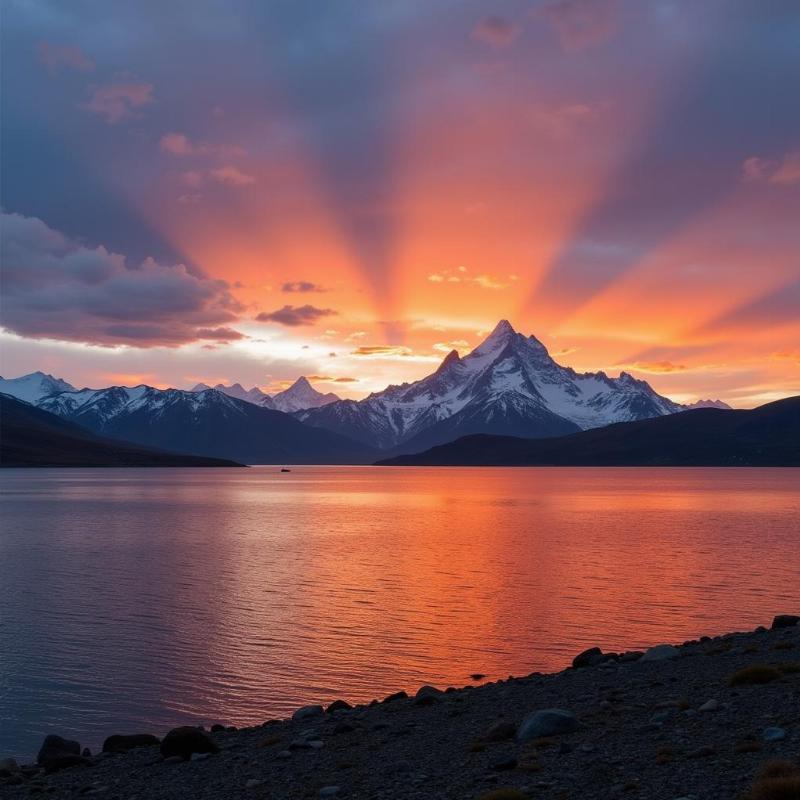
{"points": [[138, 599]]}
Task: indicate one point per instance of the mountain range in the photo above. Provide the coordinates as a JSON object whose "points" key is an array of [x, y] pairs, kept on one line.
{"points": [[299, 396], [32, 437], [765, 436], [508, 385]]}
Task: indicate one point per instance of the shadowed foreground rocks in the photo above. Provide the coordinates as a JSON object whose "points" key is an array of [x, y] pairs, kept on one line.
{"points": [[710, 719]]}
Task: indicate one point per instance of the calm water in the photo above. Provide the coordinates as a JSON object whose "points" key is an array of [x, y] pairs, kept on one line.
{"points": [[134, 600]]}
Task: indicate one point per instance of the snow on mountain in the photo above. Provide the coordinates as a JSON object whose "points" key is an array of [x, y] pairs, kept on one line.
{"points": [[707, 404], [301, 395], [254, 395], [206, 422], [508, 384], [33, 387]]}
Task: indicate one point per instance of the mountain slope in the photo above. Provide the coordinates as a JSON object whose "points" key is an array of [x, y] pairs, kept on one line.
{"points": [[508, 384], [31, 437], [207, 422], [300, 396], [766, 436], [33, 387]]}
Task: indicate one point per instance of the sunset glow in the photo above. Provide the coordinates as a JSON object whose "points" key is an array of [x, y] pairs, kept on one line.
{"points": [[354, 189]]}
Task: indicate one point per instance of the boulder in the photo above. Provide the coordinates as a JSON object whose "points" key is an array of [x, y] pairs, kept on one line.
{"points": [[501, 731], [588, 658], [661, 652], [396, 696], [306, 712], [338, 705], [8, 765], [59, 753], [121, 744], [785, 621], [185, 741], [548, 722]]}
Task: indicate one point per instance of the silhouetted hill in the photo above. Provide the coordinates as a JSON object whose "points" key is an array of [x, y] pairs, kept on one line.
{"points": [[765, 436], [30, 437]]}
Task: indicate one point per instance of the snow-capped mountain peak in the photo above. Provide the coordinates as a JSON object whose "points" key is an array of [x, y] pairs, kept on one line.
{"points": [[508, 384], [301, 395], [236, 390], [33, 387]]}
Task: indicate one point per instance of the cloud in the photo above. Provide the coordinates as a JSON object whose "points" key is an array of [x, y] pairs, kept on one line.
{"points": [[119, 100], [231, 176], [460, 275], [179, 144], [54, 57], [656, 367], [462, 345], [330, 379], [581, 23], [560, 122], [294, 316], [383, 350], [57, 288], [495, 31], [302, 287], [785, 172], [787, 355]]}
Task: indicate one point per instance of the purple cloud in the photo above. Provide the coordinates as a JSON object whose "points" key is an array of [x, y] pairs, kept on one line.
{"points": [[496, 31], [54, 57], [56, 288], [302, 287], [118, 100], [294, 316]]}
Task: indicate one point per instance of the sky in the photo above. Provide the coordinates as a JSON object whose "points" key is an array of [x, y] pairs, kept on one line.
{"points": [[220, 190]]}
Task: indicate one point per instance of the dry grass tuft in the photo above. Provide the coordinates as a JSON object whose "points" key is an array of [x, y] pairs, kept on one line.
{"points": [[755, 674]]}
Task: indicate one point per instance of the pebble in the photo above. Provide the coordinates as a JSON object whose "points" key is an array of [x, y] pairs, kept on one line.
{"points": [[284, 754], [503, 764], [661, 652], [253, 783], [329, 791], [773, 734], [548, 722], [710, 705], [200, 756]]}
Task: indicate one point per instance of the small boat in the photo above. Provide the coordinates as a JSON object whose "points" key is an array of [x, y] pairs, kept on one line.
{"points": [[285, 469]]}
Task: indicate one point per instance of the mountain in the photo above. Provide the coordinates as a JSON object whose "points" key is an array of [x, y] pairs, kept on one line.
{"points": [[254, 395], [207, 423], [509, 384], [300, 396], [33, 387], [765, 436], [30, 437], [707, 404]]}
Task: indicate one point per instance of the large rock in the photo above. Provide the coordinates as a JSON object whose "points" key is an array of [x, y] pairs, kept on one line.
{"points": [[785, 621], [121, 744], [661, 652], [588, 658], [307, 712], [59, 753], [184, 741], [548, 722]]}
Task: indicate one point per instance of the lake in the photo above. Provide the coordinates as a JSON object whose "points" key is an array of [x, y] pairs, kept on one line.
{"points": [[136, 600]]}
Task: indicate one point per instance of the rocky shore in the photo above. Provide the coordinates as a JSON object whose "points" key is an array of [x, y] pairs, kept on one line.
{"points": [[708, 719]]}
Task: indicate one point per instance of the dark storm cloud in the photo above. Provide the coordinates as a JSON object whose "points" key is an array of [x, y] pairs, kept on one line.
{"points": [[54, 287], [294, 316]]}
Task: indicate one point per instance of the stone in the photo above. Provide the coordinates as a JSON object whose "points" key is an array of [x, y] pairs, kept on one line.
{"points": [[631, 655], [217, 728], [174, 760], [59, 753], [710, 705], [284, 754], [785, 621], [501, 731], [307, 712], [119, 743], [588, 658], [394, 697], [773, 734], [329, 791], [661, 652], [316, 744], [343, 727], [9, 765], [338, 705], [200, 756], [185, 741], [253, 783], [503, 764], [548, 722]]}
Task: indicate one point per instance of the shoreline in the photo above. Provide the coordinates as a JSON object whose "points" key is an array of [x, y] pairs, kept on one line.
{"points": [[671, 722]]}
